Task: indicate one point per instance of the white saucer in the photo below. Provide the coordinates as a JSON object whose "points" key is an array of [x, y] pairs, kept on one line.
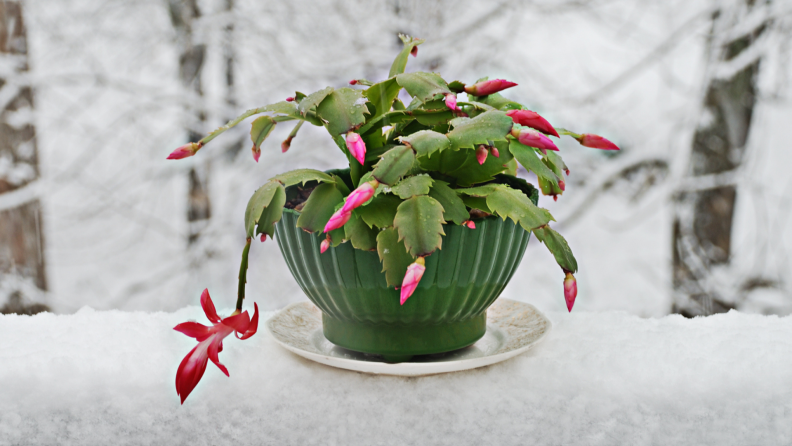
{"points": [[512, 328]]}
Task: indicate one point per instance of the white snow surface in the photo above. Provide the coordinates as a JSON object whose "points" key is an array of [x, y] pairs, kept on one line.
{"points": [[95, 377]]}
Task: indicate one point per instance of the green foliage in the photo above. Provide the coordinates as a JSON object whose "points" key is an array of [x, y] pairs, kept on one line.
{"points": [[360, 234], [400, 63], [423, 86], [453, 207], [265, 208], [393, 255], [528, 157], [489, 126], [415, 185], [313, 100], [382, 95], [499, 102], [419, 221], [320, 207], [302, 176], [342, 110], [380, 211], [261, 129], [426, 142], [511, 203], [394, 164], [558, 247]]}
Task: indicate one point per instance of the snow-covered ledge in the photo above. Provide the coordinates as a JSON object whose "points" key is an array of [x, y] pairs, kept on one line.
{"points": [[598, 378]]}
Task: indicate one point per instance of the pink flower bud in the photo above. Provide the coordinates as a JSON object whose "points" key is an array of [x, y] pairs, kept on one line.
{"points": [[414, 51], [185, 151], [290, 99], [494, 152], [337, 220], [256, 152], [263, 238], [570, 290], [488, 87], [481, 154], [532, 119], [469, 224], [596, 142], [411, 278], [533, 138], [362, 194], [356, 146], [286, 144], [324, 245], [353, 82], [450, 101], [561, 184]]}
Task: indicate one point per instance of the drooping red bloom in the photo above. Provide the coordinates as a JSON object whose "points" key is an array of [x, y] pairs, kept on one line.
{"points": [[532, 119], [338, 219], [362, 194], [481, 154], [411, 278], [596, 142], [451, 101], [570, 290], [488, 87], [356, 146], [533, 138], [185, 151], [210, 343]]}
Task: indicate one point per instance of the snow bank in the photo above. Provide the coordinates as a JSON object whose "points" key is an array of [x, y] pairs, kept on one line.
{"points": [[598, 378]]}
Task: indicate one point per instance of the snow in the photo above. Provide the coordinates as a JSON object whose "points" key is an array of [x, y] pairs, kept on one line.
{"points": [[598, 378]]}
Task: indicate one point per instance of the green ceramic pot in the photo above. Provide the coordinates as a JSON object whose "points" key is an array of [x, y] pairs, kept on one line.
{"points": [[448, 310]]}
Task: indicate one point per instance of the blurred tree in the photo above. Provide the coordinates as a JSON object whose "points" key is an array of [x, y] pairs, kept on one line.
{"points": [[21, 236], [704, 204]]}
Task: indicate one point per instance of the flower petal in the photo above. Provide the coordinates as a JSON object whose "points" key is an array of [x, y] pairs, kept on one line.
{"points": [[194, 330], [191, 370], [216, 346], [208, 307], [253, 327], [238, 322]]}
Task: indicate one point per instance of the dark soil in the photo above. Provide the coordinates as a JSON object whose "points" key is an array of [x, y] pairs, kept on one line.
{"points": [[298, 201]]}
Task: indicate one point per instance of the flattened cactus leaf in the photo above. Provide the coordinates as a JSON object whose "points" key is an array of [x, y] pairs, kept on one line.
{"points": [[456, 86], [554, 161], [511, 168], [426, 142], [389, 118], [313, 100], [271, 212], [393, 255], [415, 185], [400, 63], [320, 207], [419, 221], [303, 176], [493, 125], [261, 199], [471, 172], [513, 204], [558, 247], [423, 86], [433, 118], [479, 203], [453, 207], [528, 157], [382, 94], [342, 110], [394, 164], [380, 211], [479, 191], [359, 234], [477, 105], [261, 129], [499, 102]]}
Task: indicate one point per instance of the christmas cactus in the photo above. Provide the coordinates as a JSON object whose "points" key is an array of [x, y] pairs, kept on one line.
{"points": [[412, 168]]}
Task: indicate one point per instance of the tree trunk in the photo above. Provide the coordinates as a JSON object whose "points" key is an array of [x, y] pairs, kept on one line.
{"points": [[704, 208], [191, 60], [22, 272]]}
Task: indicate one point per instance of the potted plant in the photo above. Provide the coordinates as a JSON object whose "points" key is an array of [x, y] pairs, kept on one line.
{"points": [[404, 250]]}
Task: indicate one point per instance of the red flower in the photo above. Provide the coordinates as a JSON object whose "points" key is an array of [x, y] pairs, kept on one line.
{"points": [[210, 343], [481, 154], [338, 219], [185, 151], [469, 224], [324, 245], [450, 100], [362, 194], [570, 290], [356, 146], [411, 278], [596, 142], [532, 119], [533, 138], [488, 87]]}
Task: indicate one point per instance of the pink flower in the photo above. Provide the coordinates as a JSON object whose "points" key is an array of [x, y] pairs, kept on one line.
{"points": [[185, 151], [411, 278], [337, 220], [256, 152], [533, 138], [450, 100], [481, 154], [494, 152], [290, 99], [356, 146], [210, 343], [570, 290], [469, 224], [561, 184], [596, 142], [362, 194], [353, 82], [488, 87], [324, 245], [532, 119]]}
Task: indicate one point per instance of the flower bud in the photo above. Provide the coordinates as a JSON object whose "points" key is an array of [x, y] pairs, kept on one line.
{"points": [[414, 51], [353, 82], [494, 152], [338, 219], [362, 194], [286, 144], [263, 238], [533, 138], [469, 224], [481, 154], [256, 152], [414, 273], [290, 99], [185, 151], [488, 87], [596, 142], [356, 146], [532, 119], [561, 184], [451, 100], [324, 245], [570, 290]]}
